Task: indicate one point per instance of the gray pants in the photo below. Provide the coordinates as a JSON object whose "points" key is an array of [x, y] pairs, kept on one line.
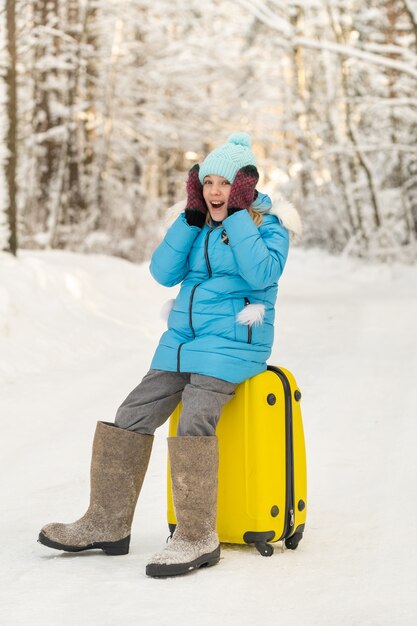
{"points": [[151, 403]]}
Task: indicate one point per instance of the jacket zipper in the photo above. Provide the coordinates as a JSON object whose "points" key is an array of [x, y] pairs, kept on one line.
{"points": [[289, 456], [206, 243], [190, 307], [179, 355], [210, 273], [247, 301]]}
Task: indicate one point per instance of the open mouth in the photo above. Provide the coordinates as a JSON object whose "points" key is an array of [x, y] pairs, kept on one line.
{"points": [[217, 205]]}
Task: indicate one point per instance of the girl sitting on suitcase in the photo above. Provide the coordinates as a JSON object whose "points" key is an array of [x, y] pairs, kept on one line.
{"points": [[228, 249]]}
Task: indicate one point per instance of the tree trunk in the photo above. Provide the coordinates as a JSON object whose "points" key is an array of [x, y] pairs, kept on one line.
{"points": [[11, 140], [300, 95], [360, 158], [75, 200], [409, 186], [48, 152]]}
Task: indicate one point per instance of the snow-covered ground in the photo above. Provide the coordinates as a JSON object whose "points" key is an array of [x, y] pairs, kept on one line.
{"points": [[77, 333]]}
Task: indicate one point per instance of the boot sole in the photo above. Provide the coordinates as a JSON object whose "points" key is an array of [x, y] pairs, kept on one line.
{"points": [[160, 570], [112, 548]]}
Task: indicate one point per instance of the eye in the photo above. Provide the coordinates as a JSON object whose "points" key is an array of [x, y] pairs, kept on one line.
{"points": [[207, 182], [225, 182]]}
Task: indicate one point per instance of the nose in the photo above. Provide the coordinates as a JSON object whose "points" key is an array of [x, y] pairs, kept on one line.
{"points": [[215, 190]]}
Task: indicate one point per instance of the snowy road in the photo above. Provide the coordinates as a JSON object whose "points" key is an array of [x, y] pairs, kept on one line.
{"points": [[77, 333]]}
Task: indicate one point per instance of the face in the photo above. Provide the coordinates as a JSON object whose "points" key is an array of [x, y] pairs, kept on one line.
{"points": [[216, 192]]}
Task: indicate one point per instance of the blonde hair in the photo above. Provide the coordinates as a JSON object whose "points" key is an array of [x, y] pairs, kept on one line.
{"points": [[254, 213]]}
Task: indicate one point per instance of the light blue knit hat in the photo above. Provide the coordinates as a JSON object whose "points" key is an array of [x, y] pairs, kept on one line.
{"points": [[229, 158]]}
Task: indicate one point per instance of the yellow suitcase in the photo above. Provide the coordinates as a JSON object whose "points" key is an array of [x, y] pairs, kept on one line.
{"points": [[262, 495]]}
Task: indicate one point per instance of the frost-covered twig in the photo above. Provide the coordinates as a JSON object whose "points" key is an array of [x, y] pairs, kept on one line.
{"points": [[352, 51]]}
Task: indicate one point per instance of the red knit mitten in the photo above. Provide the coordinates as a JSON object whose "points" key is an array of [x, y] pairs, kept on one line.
{"points": [[242, 192], [196, 208]]}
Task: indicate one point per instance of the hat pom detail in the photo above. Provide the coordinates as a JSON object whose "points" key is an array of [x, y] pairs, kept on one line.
{"points": [[229, 158], [240, 139]]}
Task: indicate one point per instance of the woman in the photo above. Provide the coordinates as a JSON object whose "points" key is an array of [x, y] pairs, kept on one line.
{"points": [[228, 250]]}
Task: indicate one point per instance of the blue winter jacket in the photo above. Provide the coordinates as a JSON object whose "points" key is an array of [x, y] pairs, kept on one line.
{"points": [[218, 281]]}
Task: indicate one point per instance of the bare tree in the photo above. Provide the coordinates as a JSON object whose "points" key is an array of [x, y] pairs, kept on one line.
{"points": [[11, 139]]}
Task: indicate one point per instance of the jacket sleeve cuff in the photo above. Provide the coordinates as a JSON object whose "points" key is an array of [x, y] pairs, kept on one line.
{"points": [[181, 234]]}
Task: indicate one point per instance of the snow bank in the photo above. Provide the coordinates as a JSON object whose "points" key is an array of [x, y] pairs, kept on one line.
{"points": [[59, 309]]}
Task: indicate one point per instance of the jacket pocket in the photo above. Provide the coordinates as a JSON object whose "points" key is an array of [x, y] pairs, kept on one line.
{"points": [[246, 318], [247, 302]]}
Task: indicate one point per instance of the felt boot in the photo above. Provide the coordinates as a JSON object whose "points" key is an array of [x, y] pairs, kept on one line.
{"points": [[194, 467], [118, 466]]}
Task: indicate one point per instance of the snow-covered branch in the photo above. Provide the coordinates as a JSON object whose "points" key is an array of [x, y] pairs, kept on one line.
{"points": [[353, 52]]}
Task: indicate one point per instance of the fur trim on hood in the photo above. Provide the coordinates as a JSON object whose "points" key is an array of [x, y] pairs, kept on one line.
{"points": [[282, 208], [287, 215]]}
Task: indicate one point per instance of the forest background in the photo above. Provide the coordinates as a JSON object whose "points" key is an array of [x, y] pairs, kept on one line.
{"points": [[104, 106]]}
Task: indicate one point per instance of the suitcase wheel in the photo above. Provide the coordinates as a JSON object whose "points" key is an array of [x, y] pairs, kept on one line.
{"points": [[264, 548], [292, 542]]}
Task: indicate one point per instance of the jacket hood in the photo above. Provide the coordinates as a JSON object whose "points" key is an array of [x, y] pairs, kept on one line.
{"points": [[263, 202], [283, 209]]}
